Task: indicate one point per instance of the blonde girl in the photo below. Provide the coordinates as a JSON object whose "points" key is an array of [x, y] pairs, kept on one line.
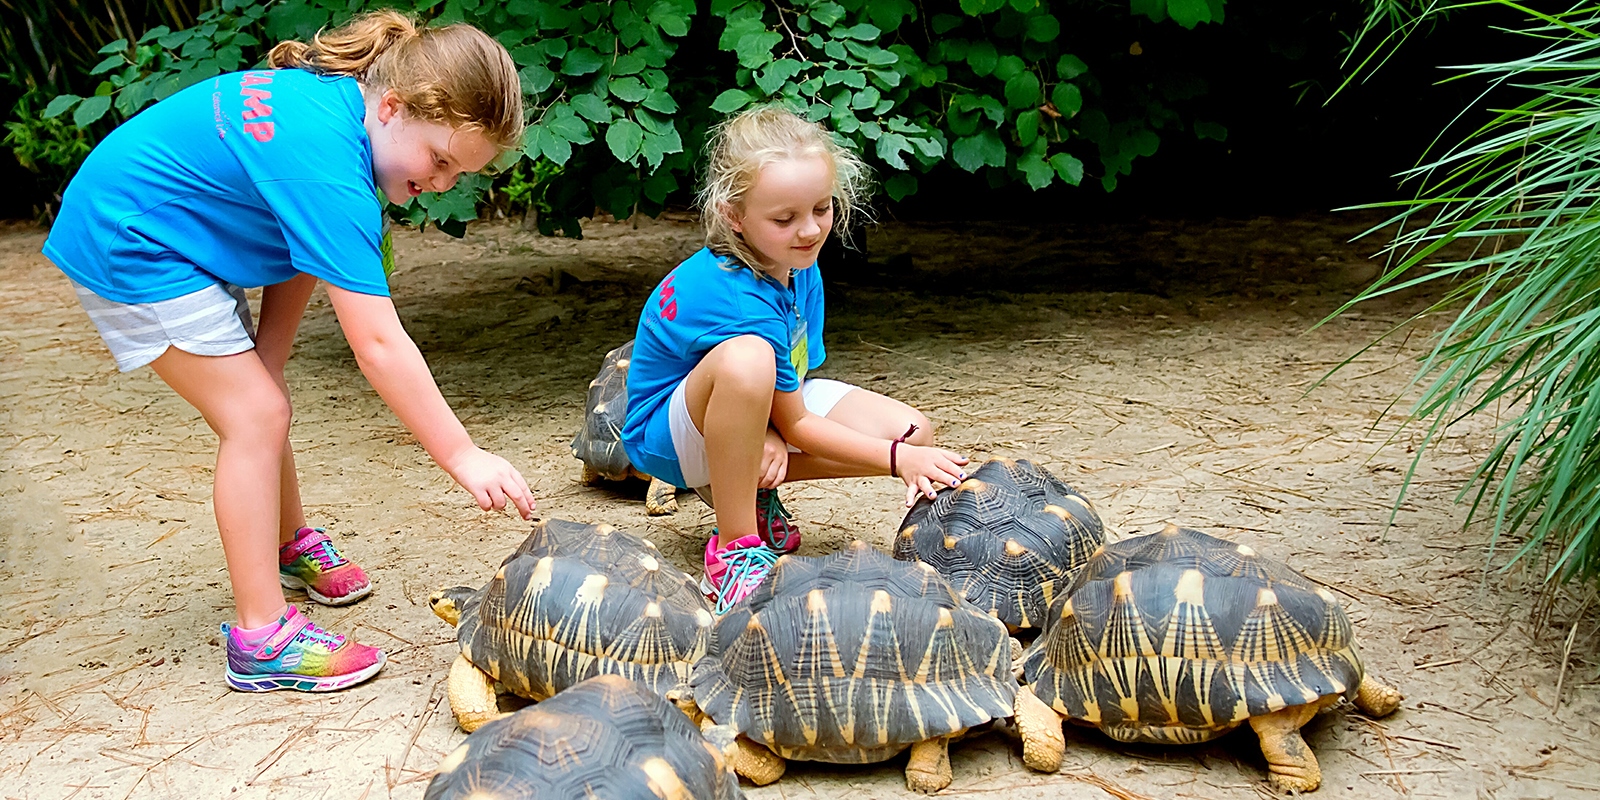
{"points": [[272, 178], [718, 387]]}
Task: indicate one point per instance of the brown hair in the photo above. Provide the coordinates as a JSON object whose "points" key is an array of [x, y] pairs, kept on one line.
{"points": [[740, 146], [455, 74]]}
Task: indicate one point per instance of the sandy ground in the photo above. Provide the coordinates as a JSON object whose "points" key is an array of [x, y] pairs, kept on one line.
{"points": [[1161, 367]]}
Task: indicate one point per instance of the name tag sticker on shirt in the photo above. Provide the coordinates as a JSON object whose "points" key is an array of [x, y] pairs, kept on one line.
{"points": [[798, 351]]}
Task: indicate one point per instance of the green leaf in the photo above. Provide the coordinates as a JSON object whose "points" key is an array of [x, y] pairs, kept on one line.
{"points": [[755, 49], [776, 74], [1028, 127], [1008, 67], [628, 64], [176, 39], [890, 146], [900, 186], [1070, 66], [658, 146], [659, 100], [945, 23], [536, 78], [1067, 98], [581, 61], [153, 34], [550, 145], [1036, 171], [630, 90], [1210, 130], [592, 108], [930, 148], [827, 13], [1068, 168], [1154, 9], [731, 100], [972, 8], [981, 56], [888, 14], [1189, 13], [91, 109], [1022, 90], [979, 150], [864, 31], [527, 54], [624, 138], [59, 105], [570, 128], [114, 47], [851, 78], [1043, 28], [671, 17]]}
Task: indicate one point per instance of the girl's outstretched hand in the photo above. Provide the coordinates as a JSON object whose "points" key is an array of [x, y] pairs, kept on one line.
{"points": [[925, 469], [492, 481]]}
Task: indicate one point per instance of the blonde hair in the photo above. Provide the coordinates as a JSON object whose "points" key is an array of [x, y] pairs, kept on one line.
{"points": [[742, 145], [456, 74]]}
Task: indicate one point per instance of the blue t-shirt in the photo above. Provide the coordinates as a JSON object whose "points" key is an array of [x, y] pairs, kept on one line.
{"points": [[706, 301], [248, 178]]}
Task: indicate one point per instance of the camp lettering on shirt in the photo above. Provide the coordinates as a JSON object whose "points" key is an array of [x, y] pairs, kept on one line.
{"points": [[249, 178], [704, 302]]}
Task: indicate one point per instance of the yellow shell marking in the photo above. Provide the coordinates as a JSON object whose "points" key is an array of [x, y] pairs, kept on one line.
{"points": [[664, 780], [649, 563], [949, 542], [881, 602], [652, 609], [1266, 597], [453, 760], [1191, 587], [816, 603], [622, 363], [1056, 510], [1080, 501], [703, 618], [1244, 550], [1327, 596], [1013, 549], [908, 531], [592, 589], [971, 485], [599, 408]]}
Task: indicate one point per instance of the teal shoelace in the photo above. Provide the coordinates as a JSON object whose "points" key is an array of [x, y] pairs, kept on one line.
{"points": [[747, 565]]}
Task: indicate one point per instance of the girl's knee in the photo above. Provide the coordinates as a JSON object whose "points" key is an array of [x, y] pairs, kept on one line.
{"points": [[265, 418], [746, 362], [924, 437]]}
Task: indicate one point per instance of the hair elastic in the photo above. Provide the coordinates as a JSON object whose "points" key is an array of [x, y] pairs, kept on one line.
{"points": [[894, 470]]}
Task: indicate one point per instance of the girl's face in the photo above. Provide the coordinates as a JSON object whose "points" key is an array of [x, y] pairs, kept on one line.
{"points": [[788, 213], [411, 156]]}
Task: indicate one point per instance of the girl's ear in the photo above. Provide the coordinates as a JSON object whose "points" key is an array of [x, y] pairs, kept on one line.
{"points": [[389, 106], [732, 215]]}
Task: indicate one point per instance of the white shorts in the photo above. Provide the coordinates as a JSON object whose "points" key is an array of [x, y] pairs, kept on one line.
{"points": [[214, 321], [820, 396]]}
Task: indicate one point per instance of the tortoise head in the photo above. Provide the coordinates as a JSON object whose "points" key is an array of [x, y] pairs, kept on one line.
{"points": [[447, 603]]}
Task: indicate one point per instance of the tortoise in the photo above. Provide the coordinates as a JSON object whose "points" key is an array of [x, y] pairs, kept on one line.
{"points": [[853, 658], [1009, 538], [599, 443], [606, 737], [573, 601], [1180, 637]]}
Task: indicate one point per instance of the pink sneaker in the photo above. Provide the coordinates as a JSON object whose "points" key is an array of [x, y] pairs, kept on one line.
{"points": [[734, 571], [296, 654], [772, 522], [312, 564]]}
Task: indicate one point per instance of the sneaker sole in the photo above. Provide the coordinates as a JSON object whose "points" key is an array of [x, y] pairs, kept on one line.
{"points": [[302, 683], [291, 582]]}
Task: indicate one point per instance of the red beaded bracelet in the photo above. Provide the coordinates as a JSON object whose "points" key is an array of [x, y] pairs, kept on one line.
{"points": [[894, 471]]}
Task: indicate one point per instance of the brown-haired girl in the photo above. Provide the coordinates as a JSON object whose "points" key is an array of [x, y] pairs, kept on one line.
{"points": [[271, 178], [718, 393]]}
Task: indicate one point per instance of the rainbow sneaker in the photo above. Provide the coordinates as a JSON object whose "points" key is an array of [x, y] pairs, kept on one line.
{"points": [[734, 571], [313, 565], [772, 522], [299, 656]]}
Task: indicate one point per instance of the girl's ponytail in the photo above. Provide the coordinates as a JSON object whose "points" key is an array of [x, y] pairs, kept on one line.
{"points": [[347, 50], [455, 74]]}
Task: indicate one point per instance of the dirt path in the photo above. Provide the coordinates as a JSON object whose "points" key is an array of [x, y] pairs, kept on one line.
{"points": [[1162, 368]]}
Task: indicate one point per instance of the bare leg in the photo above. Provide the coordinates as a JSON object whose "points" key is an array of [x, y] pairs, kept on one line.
{"points": [[729, 398], [241, 403], [872, 414], [282, 307], [1290, 763], [928, 770]]}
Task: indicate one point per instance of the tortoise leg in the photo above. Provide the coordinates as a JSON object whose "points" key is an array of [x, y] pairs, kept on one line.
{"points": [[590, 476], [756, 762], [661, 498], [472, 695], [928, 771], [1043, 744], [1376, 698], [1291, 765]]}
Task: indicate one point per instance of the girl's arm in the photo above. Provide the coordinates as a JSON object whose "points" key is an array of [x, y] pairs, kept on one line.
{"points": [[395, 368], [920, 467]]}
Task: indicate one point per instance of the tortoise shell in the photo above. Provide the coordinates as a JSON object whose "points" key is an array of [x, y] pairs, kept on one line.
{"points": [[575, 601], [599, 443], [1009, 538], [852, 658], [1180, 637], [607, 737]]}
